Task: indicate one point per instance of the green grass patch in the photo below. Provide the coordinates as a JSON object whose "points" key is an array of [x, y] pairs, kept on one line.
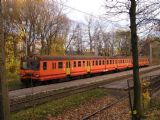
{"points": [[57, 107], [13, 81]]}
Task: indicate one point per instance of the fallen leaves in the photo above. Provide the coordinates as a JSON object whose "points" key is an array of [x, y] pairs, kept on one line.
{"points": [[118, 112]]}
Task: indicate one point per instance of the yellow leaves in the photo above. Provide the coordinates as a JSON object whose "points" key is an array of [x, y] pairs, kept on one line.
{"points": [[146, 93], [57, 47], [12, 64], [22, 33], [134, 112]]}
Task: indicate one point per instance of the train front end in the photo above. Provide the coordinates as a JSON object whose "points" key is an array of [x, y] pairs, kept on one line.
{"points": [[29, 70]]}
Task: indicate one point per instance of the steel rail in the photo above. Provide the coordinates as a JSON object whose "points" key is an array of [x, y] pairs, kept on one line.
{"points": [[107, 106], [17, 104]]}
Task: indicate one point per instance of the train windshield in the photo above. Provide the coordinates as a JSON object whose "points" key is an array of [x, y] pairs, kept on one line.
{"points": [[30, 65]]}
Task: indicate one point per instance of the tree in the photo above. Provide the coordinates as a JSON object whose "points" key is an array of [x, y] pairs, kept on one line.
{"points": [[92, 30], [4, 103], [137, 106], [140, 13], [123, 42], [77, 39]]}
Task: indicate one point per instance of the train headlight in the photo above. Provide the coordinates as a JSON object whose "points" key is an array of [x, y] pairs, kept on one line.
{"points": [[36, 75], [22, 75]]}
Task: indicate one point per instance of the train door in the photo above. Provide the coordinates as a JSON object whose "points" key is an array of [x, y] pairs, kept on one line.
{"points": [[68, 66]]}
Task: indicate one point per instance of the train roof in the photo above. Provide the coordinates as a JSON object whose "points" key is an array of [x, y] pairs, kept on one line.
{"points": [[47, 57]]}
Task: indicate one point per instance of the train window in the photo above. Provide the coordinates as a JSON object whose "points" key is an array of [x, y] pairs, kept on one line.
{"points": [[103, 62], [107, 61], [93, 62], [44, 65], [96, 62], [79, 63], [113, 61], [110, 61], [99, 62], [60, 65], [83, 63], [74, 64]]}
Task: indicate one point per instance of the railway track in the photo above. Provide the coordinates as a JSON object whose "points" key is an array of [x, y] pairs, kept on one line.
{"points": [[154, 86], [105, 107], [18, 103]]}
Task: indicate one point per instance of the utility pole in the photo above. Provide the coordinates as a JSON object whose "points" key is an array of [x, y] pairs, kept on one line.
{"points": [[150, 52], [4, 103]]}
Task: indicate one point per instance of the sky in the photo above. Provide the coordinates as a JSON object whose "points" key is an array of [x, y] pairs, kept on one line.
{"points": [[95, 7], [92, 7]]}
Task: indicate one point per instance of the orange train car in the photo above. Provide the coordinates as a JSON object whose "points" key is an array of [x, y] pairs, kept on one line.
{"points": [[44, 68]]}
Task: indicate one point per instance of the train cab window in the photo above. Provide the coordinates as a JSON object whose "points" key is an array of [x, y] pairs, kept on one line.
{"points": [[96, 62], [74, 64], [79, 63], [93, 62], [44, 65], [60, 65], [99, 62]]}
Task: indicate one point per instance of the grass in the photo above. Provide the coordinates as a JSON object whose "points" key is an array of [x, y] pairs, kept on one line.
{"points": [[57, 107], [13, 81]]}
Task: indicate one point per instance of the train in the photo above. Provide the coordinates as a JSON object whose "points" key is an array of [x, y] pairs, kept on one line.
{"points": [[39, 68]]}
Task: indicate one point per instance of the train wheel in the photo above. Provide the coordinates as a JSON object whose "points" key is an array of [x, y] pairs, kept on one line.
{"points": [[27, 82], [68, 78], [88, 75], [37, 83]]}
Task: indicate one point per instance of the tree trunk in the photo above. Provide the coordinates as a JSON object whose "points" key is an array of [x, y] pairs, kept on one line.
{"points": [[4, 104], [28, 50], [137, 109]]}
